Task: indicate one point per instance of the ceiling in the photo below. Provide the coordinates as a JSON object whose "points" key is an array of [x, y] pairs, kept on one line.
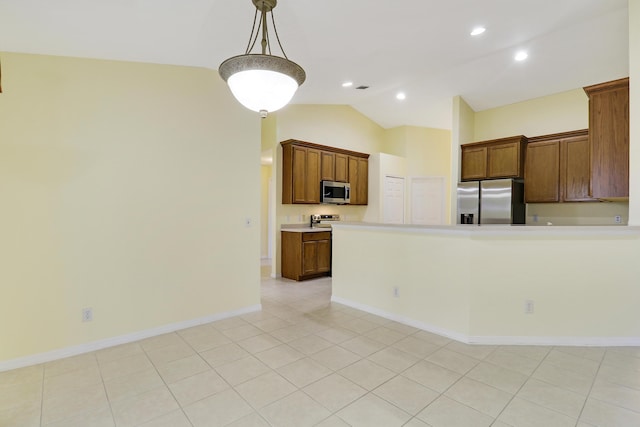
{"points": [[420, 47]]}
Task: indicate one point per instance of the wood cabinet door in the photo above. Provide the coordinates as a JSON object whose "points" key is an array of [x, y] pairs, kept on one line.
{"points": [[474, 163], [363, 181], [609, 139], [353, 179], [309, 257], [327, 172], [324, 256], [341, 168], [503, 161], [542, 172], [312, 179], [299, 174], [575, 169]]}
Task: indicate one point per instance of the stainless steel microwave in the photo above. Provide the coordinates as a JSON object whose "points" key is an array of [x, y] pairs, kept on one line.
{"points": [[336, 192]]}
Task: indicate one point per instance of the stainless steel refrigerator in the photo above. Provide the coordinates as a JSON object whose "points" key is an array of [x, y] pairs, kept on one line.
{"points": [[495, 201]]}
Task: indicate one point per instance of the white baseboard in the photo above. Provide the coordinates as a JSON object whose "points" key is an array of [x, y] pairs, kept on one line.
{"points": [[497, 340], [122, 339]]}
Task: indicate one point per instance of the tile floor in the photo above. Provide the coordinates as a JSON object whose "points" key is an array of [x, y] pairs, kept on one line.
{"points": [[304, 361]]}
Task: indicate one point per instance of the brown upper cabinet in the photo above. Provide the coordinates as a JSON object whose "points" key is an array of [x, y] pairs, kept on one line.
{"points": [[557, 168], [609, 139], [498, 158], [305, 165]]}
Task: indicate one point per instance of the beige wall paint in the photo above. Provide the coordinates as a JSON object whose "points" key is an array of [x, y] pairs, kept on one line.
{"points": [[114, 181], [560, 112], [474, 285], [634, 111], [265, 176]]}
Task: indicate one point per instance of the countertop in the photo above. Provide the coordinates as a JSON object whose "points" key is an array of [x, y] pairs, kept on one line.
{"points": [[302, 228]]}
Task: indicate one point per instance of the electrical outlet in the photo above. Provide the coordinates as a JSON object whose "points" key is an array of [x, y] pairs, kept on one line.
{"points": [[87, 314], [396, 291], [528, 306], [617, 219]]}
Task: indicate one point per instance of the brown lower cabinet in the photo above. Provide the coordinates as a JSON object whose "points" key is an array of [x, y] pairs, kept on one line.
{"points": [[305, 255]]}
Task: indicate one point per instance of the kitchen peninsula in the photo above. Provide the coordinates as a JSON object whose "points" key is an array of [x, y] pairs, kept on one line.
{"points": [[575, 285]]}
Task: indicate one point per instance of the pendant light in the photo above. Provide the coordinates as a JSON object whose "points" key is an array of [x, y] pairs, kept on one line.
{"points": [[262, 82]]}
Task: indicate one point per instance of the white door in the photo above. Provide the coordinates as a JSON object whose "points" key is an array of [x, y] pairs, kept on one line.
{"points": [[393, 200], [427, 200]]}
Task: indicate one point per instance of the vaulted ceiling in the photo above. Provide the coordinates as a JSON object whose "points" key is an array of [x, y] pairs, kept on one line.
{"points": [[420, 47]]}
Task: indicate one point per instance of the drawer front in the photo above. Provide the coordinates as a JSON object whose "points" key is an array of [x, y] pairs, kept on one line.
{"points": [[316, 235]]}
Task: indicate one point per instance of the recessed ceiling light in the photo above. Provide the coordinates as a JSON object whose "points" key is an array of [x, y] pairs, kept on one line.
{"points": [[347, 84], [401, 96], [521, 56], [478, 30]]}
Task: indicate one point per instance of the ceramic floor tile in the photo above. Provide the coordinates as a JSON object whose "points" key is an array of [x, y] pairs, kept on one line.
{"points": [[240, 333], [479, 396], [242, 370], [432, 376], [334, 392], [259, 343], [218, 410], [197, 387], [475, 351], [515, 362], [271, 324], [143, 407], [72, 379], [290, 333], [569, 380], [362, 346], [407, 395], [23, 375], [402, 328], [170, 353], [372, 411], [602, 414], [310, 344], [496, 376], [521, 413], [265, 389], [418, 347], [303, 372], [118, 352], [615, 394], [18, 416], [360, 326], [430, 337], [445, 412], [95, 418], [161, 341], [252, 420], [71, 403], [125, 366], [453, 361], [367, 374], [133, 384], [68, 364], [415, 422], [279, 356], [333, 421], [172, 419], [625, 377], [230, 323], [552, 397], [621, 359], [385, 335], [592, 353], [572, 363], [224, 354], [393, 359], [534, 352], [27, 395], [335, 357], [295, 410], [207, 340], [182, 368]]}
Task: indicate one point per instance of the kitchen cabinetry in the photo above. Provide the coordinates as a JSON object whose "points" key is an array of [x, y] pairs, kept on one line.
{"points": [[609, 139], [359, 180], [305, 165], [498, 158], [305, 254], [557, 168]]}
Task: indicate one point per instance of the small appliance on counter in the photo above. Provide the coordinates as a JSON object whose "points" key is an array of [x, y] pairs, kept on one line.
{"points": [[323, 221], [337, 193], [495, 201]]}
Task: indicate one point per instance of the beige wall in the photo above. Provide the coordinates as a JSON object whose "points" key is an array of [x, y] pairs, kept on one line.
{"points": [[472, 286], [265, 176], [125, 187]]}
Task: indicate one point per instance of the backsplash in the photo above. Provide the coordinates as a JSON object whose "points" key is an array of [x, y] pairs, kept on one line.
{"points": [[590, 213]]}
